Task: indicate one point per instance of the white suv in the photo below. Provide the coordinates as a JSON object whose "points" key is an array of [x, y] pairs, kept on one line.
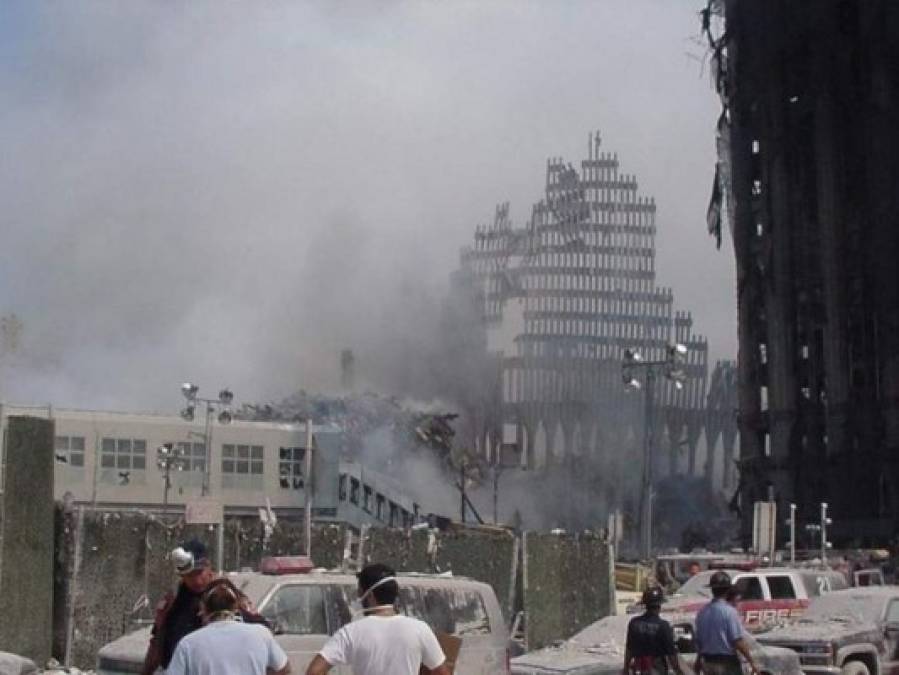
{"points": [[304, 609]]}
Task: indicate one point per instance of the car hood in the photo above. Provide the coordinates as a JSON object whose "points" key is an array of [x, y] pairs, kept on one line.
{"points": [[129, 647], [825, 630], [568, 660], [596, 650]]}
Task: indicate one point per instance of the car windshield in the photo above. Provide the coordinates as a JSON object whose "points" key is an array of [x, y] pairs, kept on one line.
{"points": [[845, 607]]}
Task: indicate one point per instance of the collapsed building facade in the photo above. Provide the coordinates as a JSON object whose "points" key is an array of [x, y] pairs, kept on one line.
{"points": [[561, 298], [807, 181]]}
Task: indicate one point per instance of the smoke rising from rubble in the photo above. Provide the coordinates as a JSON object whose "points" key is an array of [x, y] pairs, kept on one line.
{"points": [[234, 193]]}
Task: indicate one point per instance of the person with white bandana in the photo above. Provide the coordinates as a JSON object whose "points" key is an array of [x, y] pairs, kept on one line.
{"points": [[382, 641], [226, 645]]}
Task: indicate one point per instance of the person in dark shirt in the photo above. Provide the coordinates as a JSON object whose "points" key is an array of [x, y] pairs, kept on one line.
{"points": [[650, 649], [178, 614]]}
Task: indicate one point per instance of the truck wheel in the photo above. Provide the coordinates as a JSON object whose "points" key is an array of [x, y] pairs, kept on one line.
{"points": [[855, 668]]}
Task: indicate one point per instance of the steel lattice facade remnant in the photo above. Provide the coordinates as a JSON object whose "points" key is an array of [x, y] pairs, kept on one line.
{"points": [[563, 296]]}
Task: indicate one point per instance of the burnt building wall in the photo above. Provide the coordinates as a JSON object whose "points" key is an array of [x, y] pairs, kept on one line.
{"points": [[809, 118]]}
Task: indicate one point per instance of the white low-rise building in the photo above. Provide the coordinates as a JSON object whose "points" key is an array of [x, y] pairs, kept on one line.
{"points": [[109, 460]]}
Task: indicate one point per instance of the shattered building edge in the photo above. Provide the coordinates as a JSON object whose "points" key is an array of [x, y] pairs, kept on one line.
{"points": [[807, 137]]}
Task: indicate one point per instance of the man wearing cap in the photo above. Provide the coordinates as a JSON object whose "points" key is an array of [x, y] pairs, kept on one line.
{"points": [[720, 634], [382, 642], [649, 649], [178, 613]]}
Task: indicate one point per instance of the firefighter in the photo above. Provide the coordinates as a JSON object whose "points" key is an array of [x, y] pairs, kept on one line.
{"points": [[720, 634], [650, 649], [178, 614]]}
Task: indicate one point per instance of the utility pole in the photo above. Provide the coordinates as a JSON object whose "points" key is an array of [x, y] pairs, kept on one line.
{"points": [[792, 523], [462, 488], [496, 494], [825, 521], [307, 489], [646, 493], [223, 404], [168, 458]]}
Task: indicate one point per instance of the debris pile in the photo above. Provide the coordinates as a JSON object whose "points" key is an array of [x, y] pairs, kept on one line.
{"points": [[398, 428]]}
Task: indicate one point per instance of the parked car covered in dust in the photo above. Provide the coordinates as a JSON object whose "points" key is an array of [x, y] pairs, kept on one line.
{"points": [[599, 650], [849, 632], [305, 609]]}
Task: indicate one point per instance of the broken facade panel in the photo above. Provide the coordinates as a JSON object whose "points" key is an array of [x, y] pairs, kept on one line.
{"points": [[563, 296], [809, 113]]}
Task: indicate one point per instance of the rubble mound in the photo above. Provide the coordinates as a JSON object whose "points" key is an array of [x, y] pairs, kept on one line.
{"points": [[399, 428]]}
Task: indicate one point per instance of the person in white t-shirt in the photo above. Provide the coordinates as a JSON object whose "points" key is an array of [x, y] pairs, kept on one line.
{"points": [[383, 642], [225, 645]]}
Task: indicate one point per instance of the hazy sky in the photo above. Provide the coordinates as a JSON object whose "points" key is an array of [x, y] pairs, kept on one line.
{"points": [[233, 192]]}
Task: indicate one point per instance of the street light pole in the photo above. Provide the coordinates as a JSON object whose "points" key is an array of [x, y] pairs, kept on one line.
{"points": [[462, 489], [825, 521], [207, 441], [792, 523], [307, 489], [168, 458], [223, 404], [672, 368], [496, 494], [646, 493]]}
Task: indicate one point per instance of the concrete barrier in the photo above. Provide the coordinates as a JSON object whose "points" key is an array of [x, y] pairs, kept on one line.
{"points": [[26, 547], [567, 584]]}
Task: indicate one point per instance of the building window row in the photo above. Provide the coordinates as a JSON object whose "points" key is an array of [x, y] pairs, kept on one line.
{"points": [[242, 465], [373, 502]]}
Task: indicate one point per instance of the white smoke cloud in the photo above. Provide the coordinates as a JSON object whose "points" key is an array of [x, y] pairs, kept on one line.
{"points": [[234, 192]]}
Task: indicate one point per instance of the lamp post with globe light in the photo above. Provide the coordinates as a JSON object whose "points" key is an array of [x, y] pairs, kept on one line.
{"points": [[672, 368], [168, 458], [222, 405]]}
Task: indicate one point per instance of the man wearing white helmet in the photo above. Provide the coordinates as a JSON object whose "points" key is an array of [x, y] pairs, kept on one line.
{"points": [[225, 645], [383, 641], [178, 613]]}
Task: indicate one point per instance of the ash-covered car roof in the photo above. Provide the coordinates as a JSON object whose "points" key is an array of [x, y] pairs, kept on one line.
{"points": [[599, 650]]}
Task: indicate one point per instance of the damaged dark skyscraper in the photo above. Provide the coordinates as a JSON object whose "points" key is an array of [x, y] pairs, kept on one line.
{"points": [[809, 135]]}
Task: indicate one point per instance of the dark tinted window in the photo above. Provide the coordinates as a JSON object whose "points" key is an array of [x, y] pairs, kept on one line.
{"points": [[750, 588], [781, 588]]}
